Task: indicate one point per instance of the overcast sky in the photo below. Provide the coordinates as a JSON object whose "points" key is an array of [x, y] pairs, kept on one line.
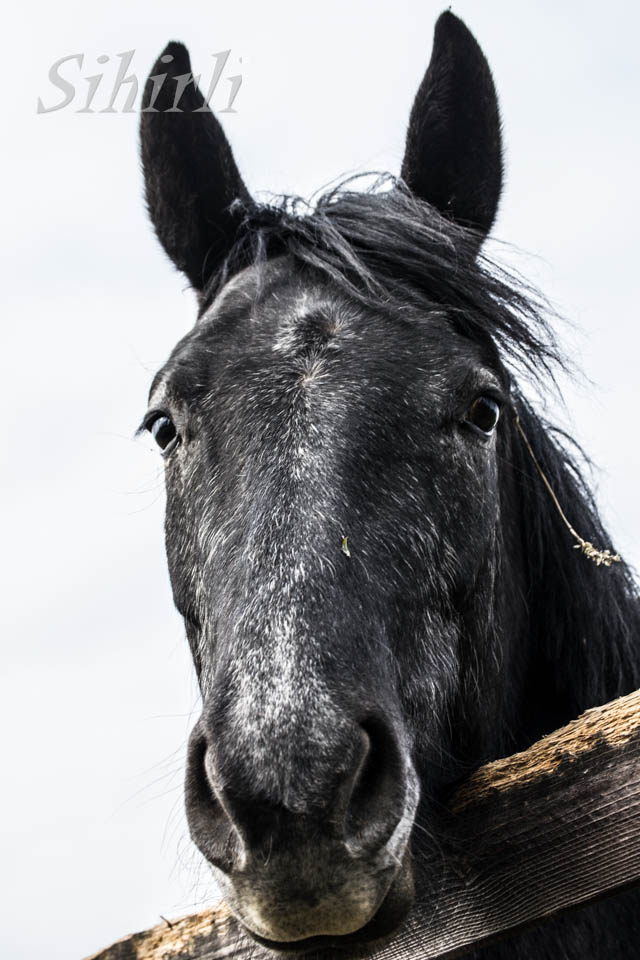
{"points": [[96, 692]]}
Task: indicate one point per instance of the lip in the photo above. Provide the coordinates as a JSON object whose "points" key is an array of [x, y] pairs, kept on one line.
{"points": [[385, 922]]}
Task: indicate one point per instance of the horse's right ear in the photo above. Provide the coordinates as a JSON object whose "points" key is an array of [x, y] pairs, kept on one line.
{"points": [[191, 178]]}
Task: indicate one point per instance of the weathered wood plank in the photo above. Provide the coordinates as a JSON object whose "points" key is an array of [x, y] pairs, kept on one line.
{"points": [[528, 836]]}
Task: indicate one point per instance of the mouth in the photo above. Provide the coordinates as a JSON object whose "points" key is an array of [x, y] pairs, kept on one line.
{"points": [[381, 926], [322, 878]]}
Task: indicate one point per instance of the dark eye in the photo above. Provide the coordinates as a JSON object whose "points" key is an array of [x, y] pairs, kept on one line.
{"points": [[483, 415], [164, 432]]}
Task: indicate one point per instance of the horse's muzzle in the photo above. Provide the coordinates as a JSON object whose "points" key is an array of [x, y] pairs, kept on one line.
{"points": [[319, 851]]}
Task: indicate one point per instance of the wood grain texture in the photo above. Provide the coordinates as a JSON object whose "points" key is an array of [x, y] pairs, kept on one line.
{"points": [[526, 837]]}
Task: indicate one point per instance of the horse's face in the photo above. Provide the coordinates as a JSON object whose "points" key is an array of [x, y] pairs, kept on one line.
{"points": [[332, 506], [331, 498]]}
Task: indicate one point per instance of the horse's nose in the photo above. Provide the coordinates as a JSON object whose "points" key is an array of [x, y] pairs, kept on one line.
{"points": [[350, 789]]}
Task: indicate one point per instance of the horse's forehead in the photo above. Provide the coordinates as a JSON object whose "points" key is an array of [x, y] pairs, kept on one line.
{"points": [[283, 305], [284, 320], [277, 285]]}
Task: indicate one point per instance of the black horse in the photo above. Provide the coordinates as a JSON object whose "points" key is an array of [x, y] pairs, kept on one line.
{"points": [[378, 590]]}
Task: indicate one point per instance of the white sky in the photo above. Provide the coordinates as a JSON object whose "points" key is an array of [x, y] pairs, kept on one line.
{"points": [[96, 690]]}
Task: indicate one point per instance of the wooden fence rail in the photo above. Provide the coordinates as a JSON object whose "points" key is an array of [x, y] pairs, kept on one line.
{"points": [[531, 835]]}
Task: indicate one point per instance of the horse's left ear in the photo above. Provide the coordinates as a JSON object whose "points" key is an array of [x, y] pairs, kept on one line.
{"points": [[453, 157]]}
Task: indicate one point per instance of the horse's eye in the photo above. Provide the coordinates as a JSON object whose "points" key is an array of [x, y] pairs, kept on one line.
{"points": [[164, 432], [483, 415]]}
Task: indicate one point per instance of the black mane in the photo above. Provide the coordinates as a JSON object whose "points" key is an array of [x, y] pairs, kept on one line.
{"points": [[387, 248]]}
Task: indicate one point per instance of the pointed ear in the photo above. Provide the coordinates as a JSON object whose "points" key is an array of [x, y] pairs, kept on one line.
{"points": [[191, 178], [453, 157]]}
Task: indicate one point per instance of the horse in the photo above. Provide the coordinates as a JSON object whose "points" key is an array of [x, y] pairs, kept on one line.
{"points": [[378, 590]]}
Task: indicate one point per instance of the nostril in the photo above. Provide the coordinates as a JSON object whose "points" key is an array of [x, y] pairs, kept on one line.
{"points": [[202, 782], [224, 817], [210, 827], [198, 786], [378, 792], [236, 816], [363, 783]]}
